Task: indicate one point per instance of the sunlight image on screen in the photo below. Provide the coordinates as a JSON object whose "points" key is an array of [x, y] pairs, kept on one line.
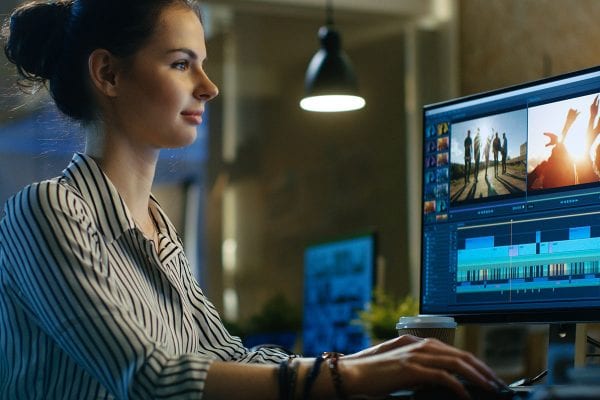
{"points": [[488, 157], [563, 141]]}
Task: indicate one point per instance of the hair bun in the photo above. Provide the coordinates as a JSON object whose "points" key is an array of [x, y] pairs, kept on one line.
{"points": [[35, 38]]}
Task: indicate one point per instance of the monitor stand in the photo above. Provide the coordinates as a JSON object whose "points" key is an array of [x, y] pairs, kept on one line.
{"points": [[566, 350]]}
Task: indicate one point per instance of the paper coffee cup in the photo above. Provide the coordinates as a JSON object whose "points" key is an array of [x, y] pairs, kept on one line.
{"points": [[428, 326]]}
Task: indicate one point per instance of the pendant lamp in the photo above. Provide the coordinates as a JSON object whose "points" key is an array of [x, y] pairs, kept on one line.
{"points": [[330, 83]]}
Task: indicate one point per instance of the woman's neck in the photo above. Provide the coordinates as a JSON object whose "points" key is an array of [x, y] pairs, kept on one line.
{"points": [[130, 167]]}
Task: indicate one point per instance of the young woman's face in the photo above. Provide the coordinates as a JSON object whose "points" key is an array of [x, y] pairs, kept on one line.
{"points": [[163, 91]]}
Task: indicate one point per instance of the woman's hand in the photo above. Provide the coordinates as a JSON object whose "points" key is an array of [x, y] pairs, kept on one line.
{"points": [[409, 362], [385, 346]]}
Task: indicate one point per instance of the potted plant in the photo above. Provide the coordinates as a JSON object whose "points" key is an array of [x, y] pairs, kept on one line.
{"points": [[380, 318]]}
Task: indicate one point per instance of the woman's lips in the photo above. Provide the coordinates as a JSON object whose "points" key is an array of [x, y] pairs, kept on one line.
{"points": [[194, 117]]}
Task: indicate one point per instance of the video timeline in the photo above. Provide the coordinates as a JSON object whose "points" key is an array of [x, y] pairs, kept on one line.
{"points": [[554, 257]]}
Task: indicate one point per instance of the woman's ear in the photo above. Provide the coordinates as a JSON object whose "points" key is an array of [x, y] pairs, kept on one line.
{"points": [[103, 69]]}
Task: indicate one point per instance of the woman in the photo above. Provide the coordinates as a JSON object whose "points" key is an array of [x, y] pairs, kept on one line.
{"points": [[96, 296]]}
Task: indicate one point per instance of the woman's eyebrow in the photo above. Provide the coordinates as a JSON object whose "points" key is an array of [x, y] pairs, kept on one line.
{"points": [[185, 50]]}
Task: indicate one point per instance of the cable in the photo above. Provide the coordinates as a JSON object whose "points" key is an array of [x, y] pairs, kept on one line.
{"points": [[529, 381]]}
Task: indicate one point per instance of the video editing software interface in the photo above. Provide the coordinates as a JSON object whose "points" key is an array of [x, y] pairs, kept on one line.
{"points": [[511, 201]]}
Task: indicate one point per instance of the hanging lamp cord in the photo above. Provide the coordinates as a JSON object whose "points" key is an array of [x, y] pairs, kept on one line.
{"points": [[329, 13]]}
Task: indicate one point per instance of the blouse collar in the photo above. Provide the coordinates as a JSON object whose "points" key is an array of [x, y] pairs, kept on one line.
{"points": [[111, 213]]}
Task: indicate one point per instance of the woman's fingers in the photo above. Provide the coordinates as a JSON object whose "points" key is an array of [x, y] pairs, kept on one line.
{"points": [[452, 365], [470, 367], [409, 371], [419, 374], [483, 368], [408, 362], [436, 354]]}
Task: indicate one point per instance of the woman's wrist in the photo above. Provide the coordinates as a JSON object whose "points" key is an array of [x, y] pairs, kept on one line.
{"points": [[311, 377], [322, 385], [332, 359], [350, 373]]}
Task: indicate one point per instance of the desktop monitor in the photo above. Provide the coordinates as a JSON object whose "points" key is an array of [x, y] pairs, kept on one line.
{"points": [[338, 283], [511, 203]]}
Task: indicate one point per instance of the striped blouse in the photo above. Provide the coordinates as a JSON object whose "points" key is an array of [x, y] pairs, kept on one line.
{"points": [[90, 309]]}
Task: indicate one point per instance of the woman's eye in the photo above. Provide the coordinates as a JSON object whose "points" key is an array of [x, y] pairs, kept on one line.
{"points": [[181, 65]]}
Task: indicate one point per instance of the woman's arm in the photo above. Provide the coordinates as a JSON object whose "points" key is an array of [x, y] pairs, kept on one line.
{"points": [[404, 363]]}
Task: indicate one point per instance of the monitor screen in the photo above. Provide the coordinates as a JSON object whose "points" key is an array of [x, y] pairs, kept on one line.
{"points": [[338, 282], [511, 203]]}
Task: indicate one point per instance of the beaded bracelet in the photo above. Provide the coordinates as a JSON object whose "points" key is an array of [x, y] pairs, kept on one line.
{"points": [[311, 377], [283, 380], [288, 370], [293, 373], [332, 361]]}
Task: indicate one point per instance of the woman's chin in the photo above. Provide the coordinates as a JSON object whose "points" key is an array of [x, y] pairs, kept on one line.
{"points": [[181, 141]]}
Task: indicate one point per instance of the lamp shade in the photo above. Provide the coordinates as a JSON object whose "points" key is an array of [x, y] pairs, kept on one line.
{"points": [[330, 82]]}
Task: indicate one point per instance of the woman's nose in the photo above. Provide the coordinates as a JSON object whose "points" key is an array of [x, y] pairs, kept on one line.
{"points": [[205, 88]]}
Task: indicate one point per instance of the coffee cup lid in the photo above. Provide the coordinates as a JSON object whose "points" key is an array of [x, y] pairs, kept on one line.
{"points": [[426, 321]]}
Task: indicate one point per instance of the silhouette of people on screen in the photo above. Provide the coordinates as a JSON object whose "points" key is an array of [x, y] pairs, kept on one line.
{"points": [[486, 152], [558, 170], [496, 149], [504, 152], [476, 154], [468, 151]]}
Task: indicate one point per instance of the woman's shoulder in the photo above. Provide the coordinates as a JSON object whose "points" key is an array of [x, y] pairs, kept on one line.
{"points": [[45, 196]]}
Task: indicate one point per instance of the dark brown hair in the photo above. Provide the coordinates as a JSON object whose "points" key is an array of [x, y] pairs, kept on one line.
{"points": [[50, 42]]}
